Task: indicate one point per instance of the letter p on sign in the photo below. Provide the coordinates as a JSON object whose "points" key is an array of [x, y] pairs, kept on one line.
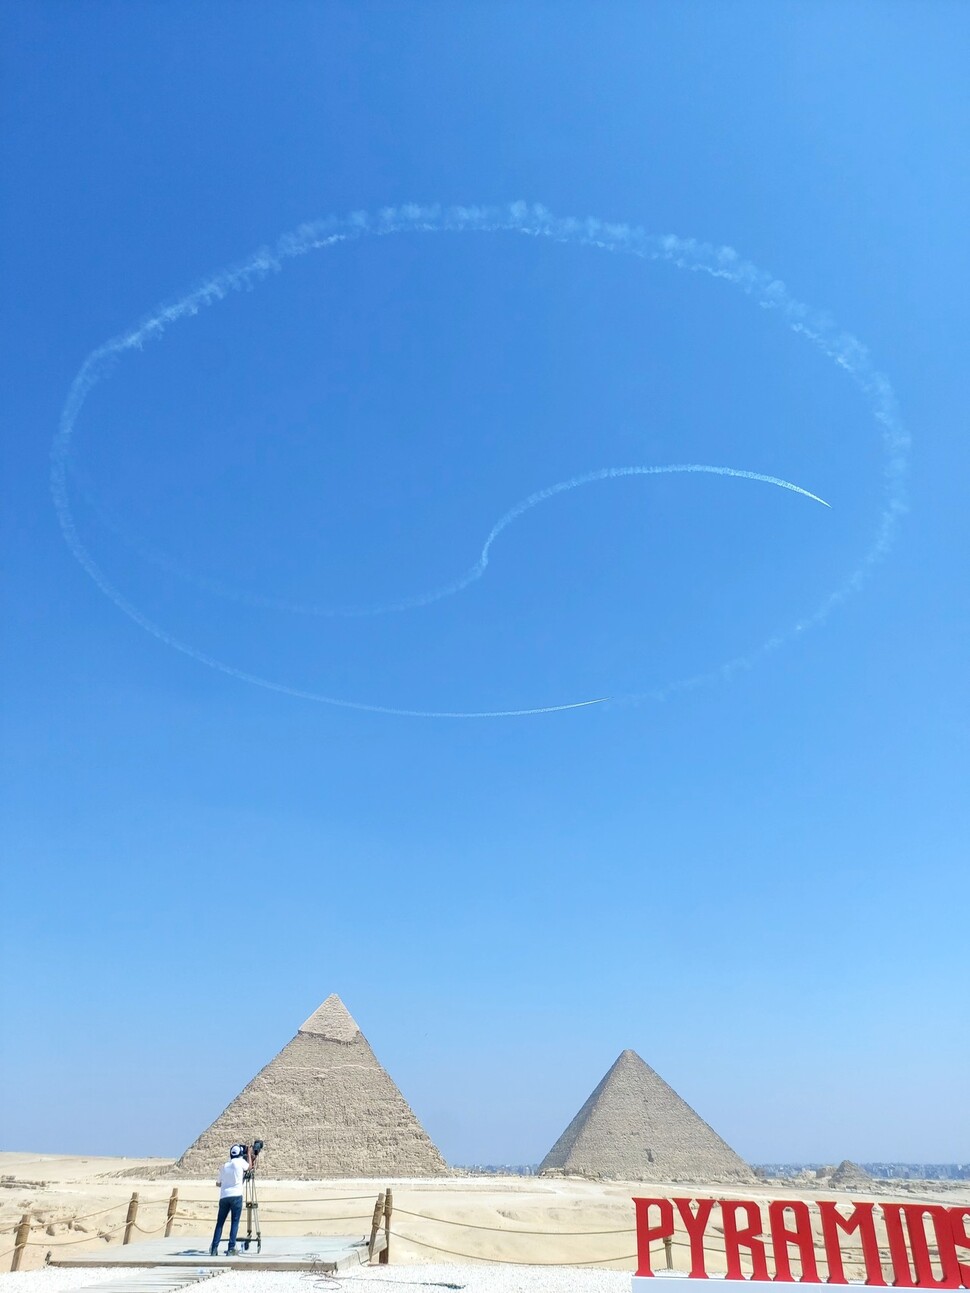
{"points": [[663, 1210]]}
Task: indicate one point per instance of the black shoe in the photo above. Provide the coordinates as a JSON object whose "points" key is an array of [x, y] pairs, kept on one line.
{"points": [[231, 1252], [213, 1252]]}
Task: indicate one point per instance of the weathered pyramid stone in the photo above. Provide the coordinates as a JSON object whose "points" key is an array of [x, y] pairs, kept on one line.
{"points": [[850, 1175], [634, 1127], [325, 1107]]}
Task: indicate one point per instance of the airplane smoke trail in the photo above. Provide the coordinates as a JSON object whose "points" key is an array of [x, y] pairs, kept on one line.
{"points": [[476, 571], [533, 221], [470, 576]]}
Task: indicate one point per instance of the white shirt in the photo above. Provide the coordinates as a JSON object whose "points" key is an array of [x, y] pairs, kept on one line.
{"points": [[230, 1180]]}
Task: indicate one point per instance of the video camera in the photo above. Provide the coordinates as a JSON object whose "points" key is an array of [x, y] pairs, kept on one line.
{"points": [[246, 1150]]}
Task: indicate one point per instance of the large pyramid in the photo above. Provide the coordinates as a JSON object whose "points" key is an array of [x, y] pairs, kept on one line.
{"points": [[634, 1127], [325, 1107]]}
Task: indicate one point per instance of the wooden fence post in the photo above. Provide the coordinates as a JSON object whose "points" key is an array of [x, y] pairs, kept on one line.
{"points": [[20, 1241], [173, 1205], [375, 1223], [385, 1256], [131, 1217], [669, 1252]]}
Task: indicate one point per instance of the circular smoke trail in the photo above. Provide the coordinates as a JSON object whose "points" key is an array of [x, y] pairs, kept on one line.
{"points": [[534, 221]]}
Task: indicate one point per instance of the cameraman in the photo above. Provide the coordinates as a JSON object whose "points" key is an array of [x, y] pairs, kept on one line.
{"points": [[230, 1182]]}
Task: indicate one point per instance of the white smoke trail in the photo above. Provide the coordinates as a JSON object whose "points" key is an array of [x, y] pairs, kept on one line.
{"points": [[534, 221], [470, 576], [476, 571]]}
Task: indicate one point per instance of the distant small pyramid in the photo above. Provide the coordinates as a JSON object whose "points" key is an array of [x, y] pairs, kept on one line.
{"points": [[850, 1175], [634, 1127], [325, 1107]]}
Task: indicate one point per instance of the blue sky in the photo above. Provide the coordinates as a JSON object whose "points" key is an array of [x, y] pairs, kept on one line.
{"points": [[758, 883]]}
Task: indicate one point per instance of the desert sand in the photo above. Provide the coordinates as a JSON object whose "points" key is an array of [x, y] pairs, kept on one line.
{"points": [[547, 1224]]}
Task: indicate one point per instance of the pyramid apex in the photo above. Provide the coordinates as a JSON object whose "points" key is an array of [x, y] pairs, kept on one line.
{"points": [[332, 1020], [628, 1060]]}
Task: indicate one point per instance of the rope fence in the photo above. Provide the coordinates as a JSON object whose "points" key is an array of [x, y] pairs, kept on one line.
{"points": [[86, 1239], [27, 1231], [852, 1253], [88, 1216], [33, 1231], [509, 1261], [281, 1221], [503, 1230], [71, 1221], [153, 1231], [341, 1198]]}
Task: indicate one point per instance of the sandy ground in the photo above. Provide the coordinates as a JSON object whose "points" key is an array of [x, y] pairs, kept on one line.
{"points": [[545, 1224]]}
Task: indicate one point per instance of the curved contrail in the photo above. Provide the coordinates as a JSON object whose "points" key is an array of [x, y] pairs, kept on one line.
{"points": [[470, 576], [587, 478], [533, 221]]}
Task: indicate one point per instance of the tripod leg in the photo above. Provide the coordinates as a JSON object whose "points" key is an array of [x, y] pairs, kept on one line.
{"points": [[249, 1214]]}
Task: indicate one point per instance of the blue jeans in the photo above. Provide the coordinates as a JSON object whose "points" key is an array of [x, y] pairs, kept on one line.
{"points": [[231, 1206]]}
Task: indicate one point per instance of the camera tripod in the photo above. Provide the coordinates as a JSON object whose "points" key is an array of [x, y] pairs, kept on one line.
{"points": [[251, 1200]]}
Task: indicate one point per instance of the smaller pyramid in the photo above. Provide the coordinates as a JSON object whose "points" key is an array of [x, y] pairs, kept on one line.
{"points": [[634, 1127], [325, 1107], [850, 1175]]}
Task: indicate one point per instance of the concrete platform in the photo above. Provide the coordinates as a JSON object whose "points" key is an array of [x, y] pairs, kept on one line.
{"points": [[325, 1253]]}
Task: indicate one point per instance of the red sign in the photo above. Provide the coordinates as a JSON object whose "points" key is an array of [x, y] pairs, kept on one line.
{"points": [[929, 1245]]}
